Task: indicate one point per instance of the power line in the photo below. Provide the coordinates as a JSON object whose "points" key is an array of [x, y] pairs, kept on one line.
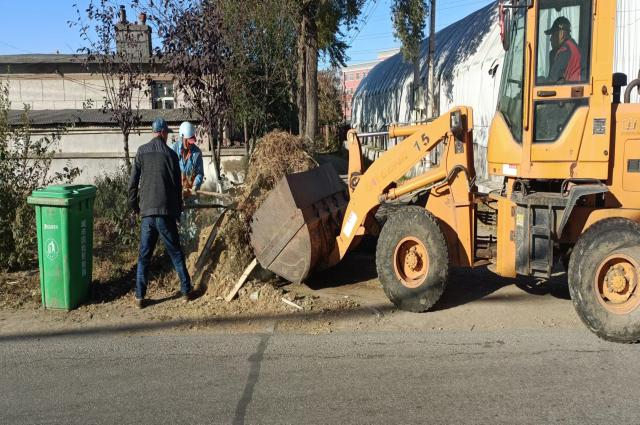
{"points": [[473, 2], [14, 47], [365, 21], [360, 52], [459, 3], [444, 6], [447, 6]]}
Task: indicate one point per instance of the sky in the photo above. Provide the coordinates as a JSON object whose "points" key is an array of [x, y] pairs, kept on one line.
{"points": [[41, 26], [375, 32]]}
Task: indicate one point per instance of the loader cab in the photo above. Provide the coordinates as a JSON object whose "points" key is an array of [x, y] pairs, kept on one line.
{"points": [[553, 118]]}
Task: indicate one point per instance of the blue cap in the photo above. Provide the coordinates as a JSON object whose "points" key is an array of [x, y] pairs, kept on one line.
{"points": [[159, 124]]}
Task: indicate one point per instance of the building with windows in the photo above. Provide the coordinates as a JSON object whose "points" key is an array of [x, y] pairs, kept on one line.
{"points": [[60, 82], [352, 75], [60, 90]]}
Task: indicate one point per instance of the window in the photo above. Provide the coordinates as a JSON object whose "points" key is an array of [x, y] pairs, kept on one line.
{"points": [[162, 92], [551, 118], [511, 89], [564, 47], [564, 42]]}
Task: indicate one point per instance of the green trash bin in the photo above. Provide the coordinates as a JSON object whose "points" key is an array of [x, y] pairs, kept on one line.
{"points": [[64, 220]]}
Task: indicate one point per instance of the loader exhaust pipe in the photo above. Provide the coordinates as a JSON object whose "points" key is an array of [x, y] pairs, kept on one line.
{"points": [[627, 94]]}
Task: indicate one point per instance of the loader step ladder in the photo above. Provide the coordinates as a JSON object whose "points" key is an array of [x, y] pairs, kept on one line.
{"points": [[541, 242], [536, 222]]}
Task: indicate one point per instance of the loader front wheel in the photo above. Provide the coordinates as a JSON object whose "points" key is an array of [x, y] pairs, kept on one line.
{"points": [[604, 279], [412, 259]]}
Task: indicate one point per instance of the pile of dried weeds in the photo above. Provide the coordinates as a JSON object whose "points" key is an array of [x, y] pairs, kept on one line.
{"points": [[277, 154]]}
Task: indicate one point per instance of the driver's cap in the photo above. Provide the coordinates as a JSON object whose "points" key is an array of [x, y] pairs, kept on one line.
{"points": [[561, 23]]}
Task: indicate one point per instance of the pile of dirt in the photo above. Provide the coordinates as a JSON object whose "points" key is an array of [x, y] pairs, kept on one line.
{"points": [[277, 154], [259, 297]]}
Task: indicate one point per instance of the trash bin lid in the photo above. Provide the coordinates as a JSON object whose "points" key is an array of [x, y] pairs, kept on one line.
{"points": [[61, 194]]}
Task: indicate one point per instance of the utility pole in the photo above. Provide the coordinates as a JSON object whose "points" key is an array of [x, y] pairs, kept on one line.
{"points": [[430, 89]]}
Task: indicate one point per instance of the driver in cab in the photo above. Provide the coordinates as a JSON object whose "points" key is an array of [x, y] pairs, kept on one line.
{"points": [[565, 58]]}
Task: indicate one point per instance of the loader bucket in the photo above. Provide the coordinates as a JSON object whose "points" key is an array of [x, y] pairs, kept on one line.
{"points": [[294, 230]]}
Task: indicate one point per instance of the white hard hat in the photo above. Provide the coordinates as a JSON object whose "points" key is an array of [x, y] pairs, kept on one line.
{"points": [[187, 130]]}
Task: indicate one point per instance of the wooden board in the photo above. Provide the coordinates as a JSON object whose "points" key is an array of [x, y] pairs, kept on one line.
{"points": [[242, 280], [198, 266]]}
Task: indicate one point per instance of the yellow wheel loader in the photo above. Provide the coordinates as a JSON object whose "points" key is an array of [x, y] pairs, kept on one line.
{"points": [[566, 145]]}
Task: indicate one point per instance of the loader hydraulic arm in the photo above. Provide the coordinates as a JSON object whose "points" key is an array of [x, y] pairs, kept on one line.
{"points": [[371, 188]]}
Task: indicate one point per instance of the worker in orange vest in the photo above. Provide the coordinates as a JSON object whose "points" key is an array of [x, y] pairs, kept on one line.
{"points": [[565, 57]]}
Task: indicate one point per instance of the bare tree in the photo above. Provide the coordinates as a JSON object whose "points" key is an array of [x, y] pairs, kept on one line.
{"points": [[112, 49], [194, 52]]}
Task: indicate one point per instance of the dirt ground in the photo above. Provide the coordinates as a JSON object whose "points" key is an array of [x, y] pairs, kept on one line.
{"points": [[347, 296], [114, 280]]}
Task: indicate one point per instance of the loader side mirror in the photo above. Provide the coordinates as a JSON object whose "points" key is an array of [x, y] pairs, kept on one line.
{"points": [[456, 124], [619, 81], [504, 15]]}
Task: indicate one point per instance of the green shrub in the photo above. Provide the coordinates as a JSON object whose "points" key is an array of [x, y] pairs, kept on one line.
{"points": [[25, 162], [111, 210]]}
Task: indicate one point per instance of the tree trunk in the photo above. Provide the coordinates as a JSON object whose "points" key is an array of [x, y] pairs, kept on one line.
{"points": [[312, 81], [430, 90], [226, 134], [302, 63], [245, 135], [218, 151], [327, 131], [416, 84], [292, 120], [214, 160], [254, 138], [218, 162], [127, 159]]}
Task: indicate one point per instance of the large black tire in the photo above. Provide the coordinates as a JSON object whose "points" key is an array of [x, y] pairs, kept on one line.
{"points": [[417, 224], [602, 239]]}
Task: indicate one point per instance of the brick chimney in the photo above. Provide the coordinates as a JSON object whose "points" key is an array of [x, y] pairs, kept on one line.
{"points": [[133, 39]]}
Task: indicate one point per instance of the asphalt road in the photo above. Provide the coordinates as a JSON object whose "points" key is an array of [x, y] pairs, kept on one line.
{"points": [[508, 376]]}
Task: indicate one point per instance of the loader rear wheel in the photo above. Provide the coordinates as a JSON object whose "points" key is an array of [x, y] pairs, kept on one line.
{"points": [[604, 272], [412, 259]]}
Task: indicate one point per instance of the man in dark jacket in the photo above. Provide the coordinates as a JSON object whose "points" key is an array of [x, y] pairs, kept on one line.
{"points": [[155, 192]]}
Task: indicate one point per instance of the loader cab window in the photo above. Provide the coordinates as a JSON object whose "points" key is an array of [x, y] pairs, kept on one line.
{"points": [[512, 87], [564, 46], [564, 42]]}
